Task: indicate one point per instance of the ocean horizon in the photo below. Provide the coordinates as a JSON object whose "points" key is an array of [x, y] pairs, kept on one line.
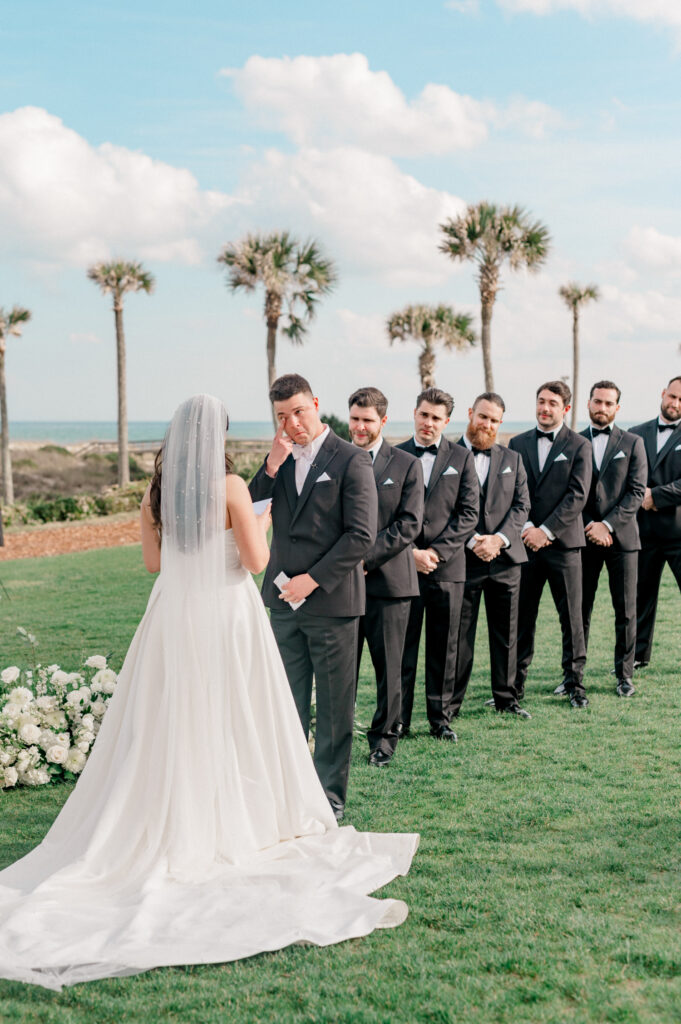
{"points": [[72, 432]]}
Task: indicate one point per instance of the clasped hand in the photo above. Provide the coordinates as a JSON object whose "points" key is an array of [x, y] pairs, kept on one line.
{"points": [[488, 546], [598, 533], [648, 503], [425, 560], [535, 538]]}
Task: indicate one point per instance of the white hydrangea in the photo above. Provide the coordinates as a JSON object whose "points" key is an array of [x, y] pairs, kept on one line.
{"points": [[29, 733], [34, 777], [21, 696], [75, 761], [104, 681], [10, 675], [96, 661], [10, 712], [59, 678], [55, 720], [48, 738], [8, 777], [57, 754], [47, 703], [8, 755], [52, 668]]}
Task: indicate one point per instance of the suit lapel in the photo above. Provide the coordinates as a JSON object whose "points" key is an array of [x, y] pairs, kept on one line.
{"points": [[441, 460], [556, 449], [610, 449], [650, 441], [531, 445], [288, 475], [668, 446], [495, 460], [324, 456], [381, 461]]}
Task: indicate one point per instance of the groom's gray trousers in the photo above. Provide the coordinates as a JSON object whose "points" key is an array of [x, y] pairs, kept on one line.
{"points": [[323, 647]]}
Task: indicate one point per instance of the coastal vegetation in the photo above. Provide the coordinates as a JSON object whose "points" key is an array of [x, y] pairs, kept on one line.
{"points": [[294, 276], [489, 236], [575, 296], [11, 323]]}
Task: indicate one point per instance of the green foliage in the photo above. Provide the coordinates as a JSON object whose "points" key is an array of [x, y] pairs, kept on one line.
{"points": [[67, 508], [56, 449], [338, 425], [546, 885]]}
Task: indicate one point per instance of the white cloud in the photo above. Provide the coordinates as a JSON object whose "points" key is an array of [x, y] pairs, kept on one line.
{"points": [[662, 12], [368, 212], [61, 198], [338, 100], [85, 338], [650, 248]]}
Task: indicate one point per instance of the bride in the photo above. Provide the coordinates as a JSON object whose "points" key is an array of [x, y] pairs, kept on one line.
{"points": [[198, 831]]}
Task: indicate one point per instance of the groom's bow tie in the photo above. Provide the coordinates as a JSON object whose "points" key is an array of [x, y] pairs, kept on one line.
{"points": [[303, 451], [422, 449]]}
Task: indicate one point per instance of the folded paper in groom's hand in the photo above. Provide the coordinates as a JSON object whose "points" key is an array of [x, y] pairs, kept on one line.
{"points": [[280, 581]]}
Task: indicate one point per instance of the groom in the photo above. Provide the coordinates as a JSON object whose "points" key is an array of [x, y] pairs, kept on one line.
{"points": [[324, 515]]}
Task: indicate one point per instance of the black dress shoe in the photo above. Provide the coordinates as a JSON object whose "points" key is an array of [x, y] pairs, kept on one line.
{"points": [[514, 709], [489, 703], [561, 689], [520, 692], [402, 731], [625, 688], [578, 700], [379, 757], [338, 810], [640, 664], [443, 732]]}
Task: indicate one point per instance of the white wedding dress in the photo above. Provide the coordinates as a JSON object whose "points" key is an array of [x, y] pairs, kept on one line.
{"points": [[198, 831]]}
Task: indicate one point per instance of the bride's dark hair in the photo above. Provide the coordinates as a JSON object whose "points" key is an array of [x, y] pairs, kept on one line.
{"points": [[155, 489]]}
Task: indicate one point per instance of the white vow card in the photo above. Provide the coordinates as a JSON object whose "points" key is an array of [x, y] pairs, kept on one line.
{"points": [[260, 506], [280, 581]]}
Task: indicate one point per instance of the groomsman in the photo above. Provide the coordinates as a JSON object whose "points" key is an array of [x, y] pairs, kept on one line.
{"points": [[494, 555], [617, 489], [450, 515], [324, 510], [558, 465], [660, 514], [390, 578]]}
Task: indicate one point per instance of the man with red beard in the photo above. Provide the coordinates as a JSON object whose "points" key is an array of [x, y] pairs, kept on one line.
{"points": [[493, 556]]}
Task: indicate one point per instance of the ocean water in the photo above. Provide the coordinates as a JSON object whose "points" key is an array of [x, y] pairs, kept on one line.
{"points": [[77, 432]]}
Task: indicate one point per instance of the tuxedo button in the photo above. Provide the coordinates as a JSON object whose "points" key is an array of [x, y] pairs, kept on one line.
{"points": [[293, 540], [426, 521]]}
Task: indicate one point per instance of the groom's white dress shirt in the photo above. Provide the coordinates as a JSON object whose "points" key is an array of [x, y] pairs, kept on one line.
{"points": [[305, 456]]}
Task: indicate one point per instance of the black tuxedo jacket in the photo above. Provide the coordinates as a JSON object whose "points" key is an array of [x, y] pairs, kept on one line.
{"points": [[664, 480], [618, 487], [390, 566], [558, 494], [504, 504], [325, 531], [451, 508]]}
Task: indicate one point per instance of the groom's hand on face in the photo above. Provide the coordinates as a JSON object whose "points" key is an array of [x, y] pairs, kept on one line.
{"points": [[298, 588], [279, 452]]}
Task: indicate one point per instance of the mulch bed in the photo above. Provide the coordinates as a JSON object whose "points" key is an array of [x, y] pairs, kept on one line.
{"points": [[58, 540]]}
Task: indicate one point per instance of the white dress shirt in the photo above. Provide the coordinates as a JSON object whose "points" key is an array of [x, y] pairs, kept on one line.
{"points": [[482, 469], [305, 456], [663, 435], [427, 459], [375, 448], [599, 444], [544, 446]]}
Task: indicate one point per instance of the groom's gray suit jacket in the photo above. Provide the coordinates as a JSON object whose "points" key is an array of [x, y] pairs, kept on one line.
{"points": [[325, 531]]}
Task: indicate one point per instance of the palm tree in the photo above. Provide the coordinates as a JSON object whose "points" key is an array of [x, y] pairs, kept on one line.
{"points": [[119, 278], [10, 323], [574, 296], [488, 235], [294, 277], [430, 326]]}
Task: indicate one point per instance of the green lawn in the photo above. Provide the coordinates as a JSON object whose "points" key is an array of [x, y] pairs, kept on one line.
{"points": [[547, 887]]}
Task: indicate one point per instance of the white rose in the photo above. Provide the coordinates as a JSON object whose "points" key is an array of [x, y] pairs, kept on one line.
{"points": [[47, 703], [21, 696], [57, 754], [75, 761], [25, 719], [97, 707], [10, 675], [55, 719], [48, 738], [59, 678], [11, 711], [35, 777], [88, 721], [63, 738], [8, 756], [52, 668], [8, 777], [96, 661], [104, 681], [85, 694], [74, 698], [29, 733]]}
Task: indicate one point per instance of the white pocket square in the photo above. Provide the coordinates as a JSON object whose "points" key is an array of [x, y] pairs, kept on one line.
{"points": [[388, 481], [507, 470], [678, 448], [450, 471], [322, 478], [621, 455], [560, 458]]}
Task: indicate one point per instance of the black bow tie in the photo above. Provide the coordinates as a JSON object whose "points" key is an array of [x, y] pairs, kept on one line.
{"points": [[595, 431], [549, 435], [482, 451], [422, 449], [666, 426]]}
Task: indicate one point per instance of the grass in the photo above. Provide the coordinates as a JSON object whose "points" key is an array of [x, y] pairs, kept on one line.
{"points": [[547, 885]]}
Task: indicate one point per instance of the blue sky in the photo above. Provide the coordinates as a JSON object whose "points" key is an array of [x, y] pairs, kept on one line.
{"points": [[161, 131]]}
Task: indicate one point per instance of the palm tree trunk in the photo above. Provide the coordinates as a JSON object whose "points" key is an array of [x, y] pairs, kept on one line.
{"points": [[7, 483], [486, 309], [575, 365], [272, 323], [123, 458], [427, 367]]}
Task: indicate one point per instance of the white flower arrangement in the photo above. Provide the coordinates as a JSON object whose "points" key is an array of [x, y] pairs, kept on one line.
{"points": [[49, 720]]}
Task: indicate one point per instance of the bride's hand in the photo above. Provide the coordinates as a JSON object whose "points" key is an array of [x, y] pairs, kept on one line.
{"points": [[265, 518]]}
